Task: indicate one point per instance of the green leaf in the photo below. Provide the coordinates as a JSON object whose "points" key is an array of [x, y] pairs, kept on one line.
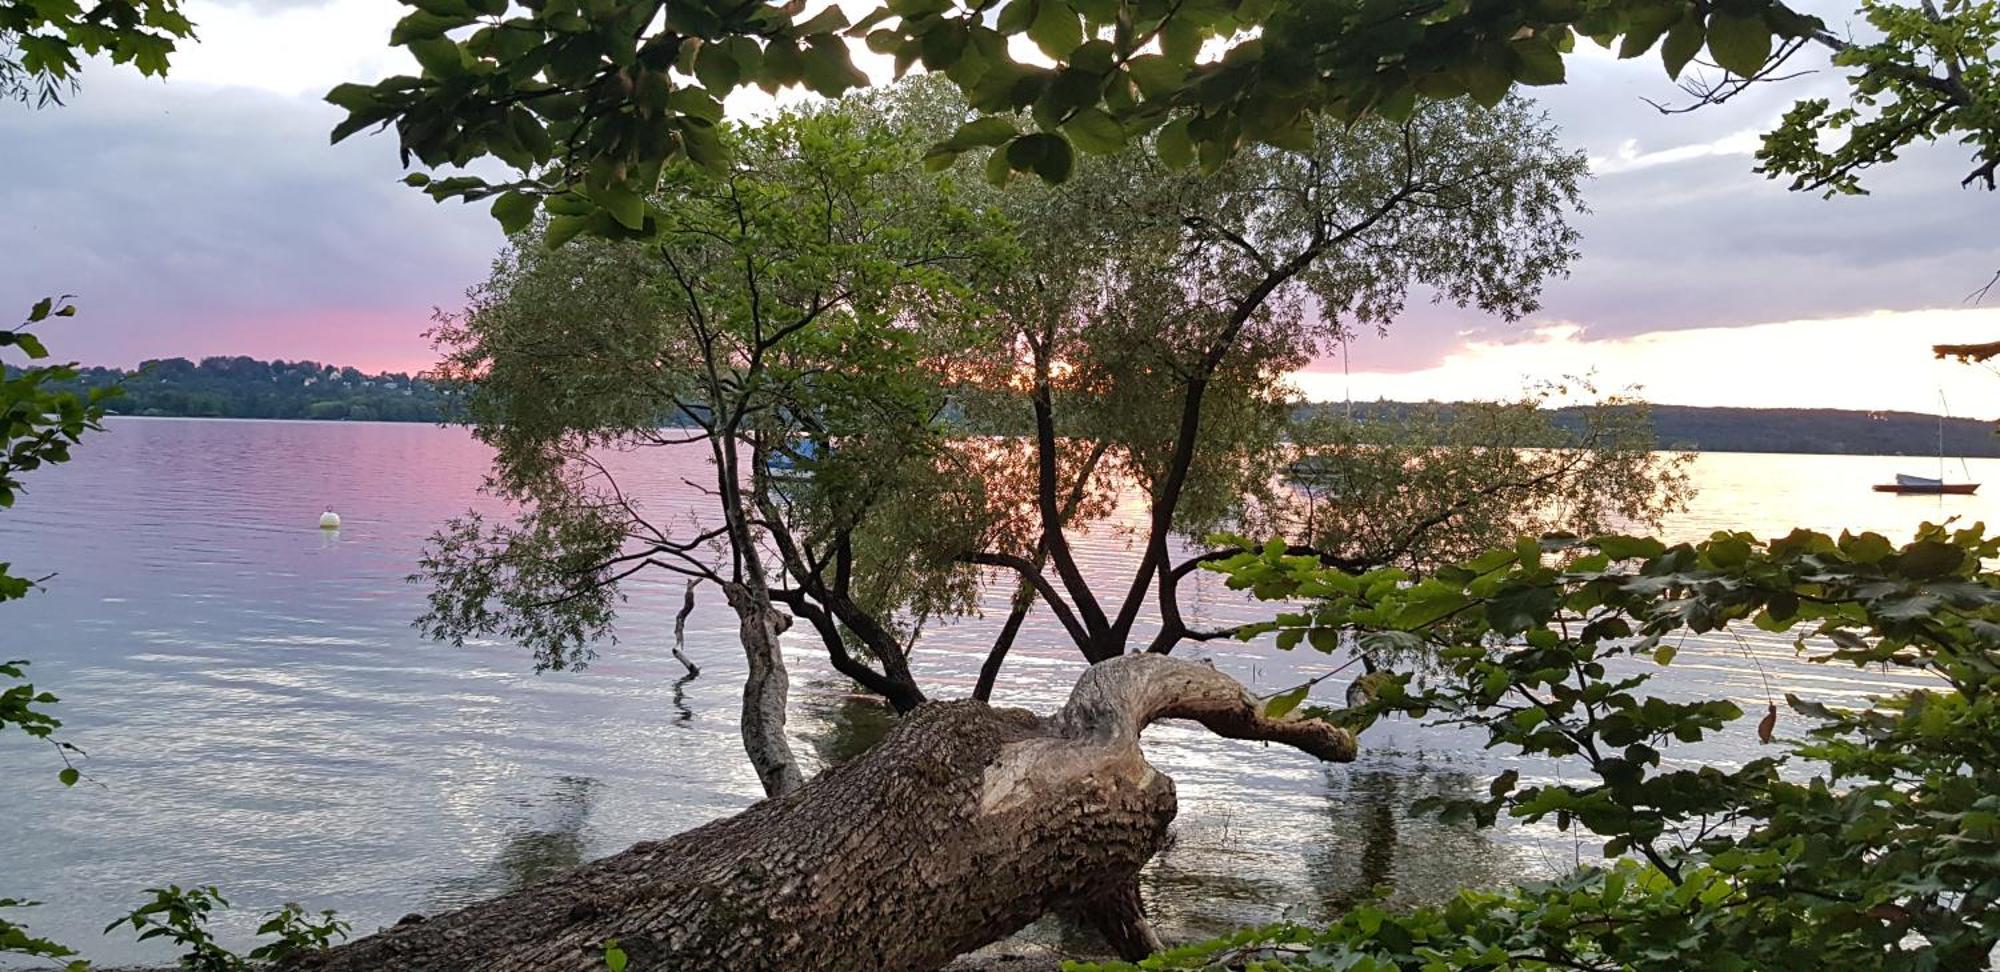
{"points": [[696, 103], [69, 776], [1740, 44], [1056, 29], [1057, 162], [829, 20], [1398, 104], [1628, 548], [1047, 155], [353, 97], [1520, 608], [425, 25], [1537, 62], [514, 210], [716, 67], [1683, 43], [1173, 144], [1095, 131], [440, 57], [783, 65], [1927, 559], [562, 229], [1180, 40], [1155, 75], [989, 130], [1016, 16], [1281, 704], [624, 205], [614, 957], [1486, 82], [998, 169], [828, 69], [1866, 548]]}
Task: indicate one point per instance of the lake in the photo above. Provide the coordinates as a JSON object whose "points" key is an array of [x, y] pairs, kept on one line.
{"points": [[260, 715]]}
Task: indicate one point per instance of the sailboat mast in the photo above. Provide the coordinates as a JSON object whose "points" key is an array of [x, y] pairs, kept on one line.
{"points": [[1346, 377], [1944, 408]]}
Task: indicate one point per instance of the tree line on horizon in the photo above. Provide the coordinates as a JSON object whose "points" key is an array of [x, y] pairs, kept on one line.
{"points": [[1708, 428], [243, 387], [238, 386]]}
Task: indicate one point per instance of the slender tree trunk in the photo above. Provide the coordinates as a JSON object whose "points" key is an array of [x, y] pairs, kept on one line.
{"points": [[962, 826], [766, 689]]}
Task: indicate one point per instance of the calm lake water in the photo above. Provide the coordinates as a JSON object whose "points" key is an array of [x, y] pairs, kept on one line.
{"points": [[261, 716]]}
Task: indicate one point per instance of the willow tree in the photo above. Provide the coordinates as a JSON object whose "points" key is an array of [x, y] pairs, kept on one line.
{"points": [[1150, 329], [1149, 333], [746, 310]]}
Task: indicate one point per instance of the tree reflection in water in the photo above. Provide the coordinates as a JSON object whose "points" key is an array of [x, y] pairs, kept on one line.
{"points": [[1221, 874], [545, 840], [1372, 842], [684, 714], [840, 721]]}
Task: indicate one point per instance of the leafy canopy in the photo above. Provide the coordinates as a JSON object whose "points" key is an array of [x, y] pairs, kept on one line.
{"points": [[778, 301], [41, 41], [587, 101]]}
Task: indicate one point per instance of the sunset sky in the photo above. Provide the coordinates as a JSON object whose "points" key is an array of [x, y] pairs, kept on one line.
{"points": [[208, 215]]}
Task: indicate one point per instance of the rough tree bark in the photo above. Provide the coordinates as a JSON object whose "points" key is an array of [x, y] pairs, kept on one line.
{"points": [[766, 688], [962, 826]]}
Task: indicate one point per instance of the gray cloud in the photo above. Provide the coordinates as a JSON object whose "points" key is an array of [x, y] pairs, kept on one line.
{"points": [[1706, 241], [194, 220]]}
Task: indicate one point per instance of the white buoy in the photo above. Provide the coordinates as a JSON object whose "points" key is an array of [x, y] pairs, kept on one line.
{"points": [[329, 520]]}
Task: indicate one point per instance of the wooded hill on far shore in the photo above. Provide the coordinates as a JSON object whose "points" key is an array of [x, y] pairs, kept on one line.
{"points": [[241, 387], [1820, 431]]}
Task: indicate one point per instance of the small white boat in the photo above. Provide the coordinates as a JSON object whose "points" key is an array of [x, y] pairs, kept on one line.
{"points": [[1925, 486], [1928, 485]]}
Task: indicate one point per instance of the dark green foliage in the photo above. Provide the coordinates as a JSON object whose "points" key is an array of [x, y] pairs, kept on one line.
{"points": [[39, 418], [41, 41], [1871, 840], [298, 933], [39, 422], [240, 387], [1928, 73], [18, 702], [587, 102], [181, 915], [15, 940]]}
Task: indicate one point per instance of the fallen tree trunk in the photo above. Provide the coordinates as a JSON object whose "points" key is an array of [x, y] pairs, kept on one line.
{"points": [[962, 826]]}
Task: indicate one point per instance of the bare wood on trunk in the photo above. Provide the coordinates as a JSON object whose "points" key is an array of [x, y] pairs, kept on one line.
{"points": [[963, 825]]}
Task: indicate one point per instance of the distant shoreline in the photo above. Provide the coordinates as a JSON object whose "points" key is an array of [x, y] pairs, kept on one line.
{"points": [[121, 417], [1992, 450]]}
